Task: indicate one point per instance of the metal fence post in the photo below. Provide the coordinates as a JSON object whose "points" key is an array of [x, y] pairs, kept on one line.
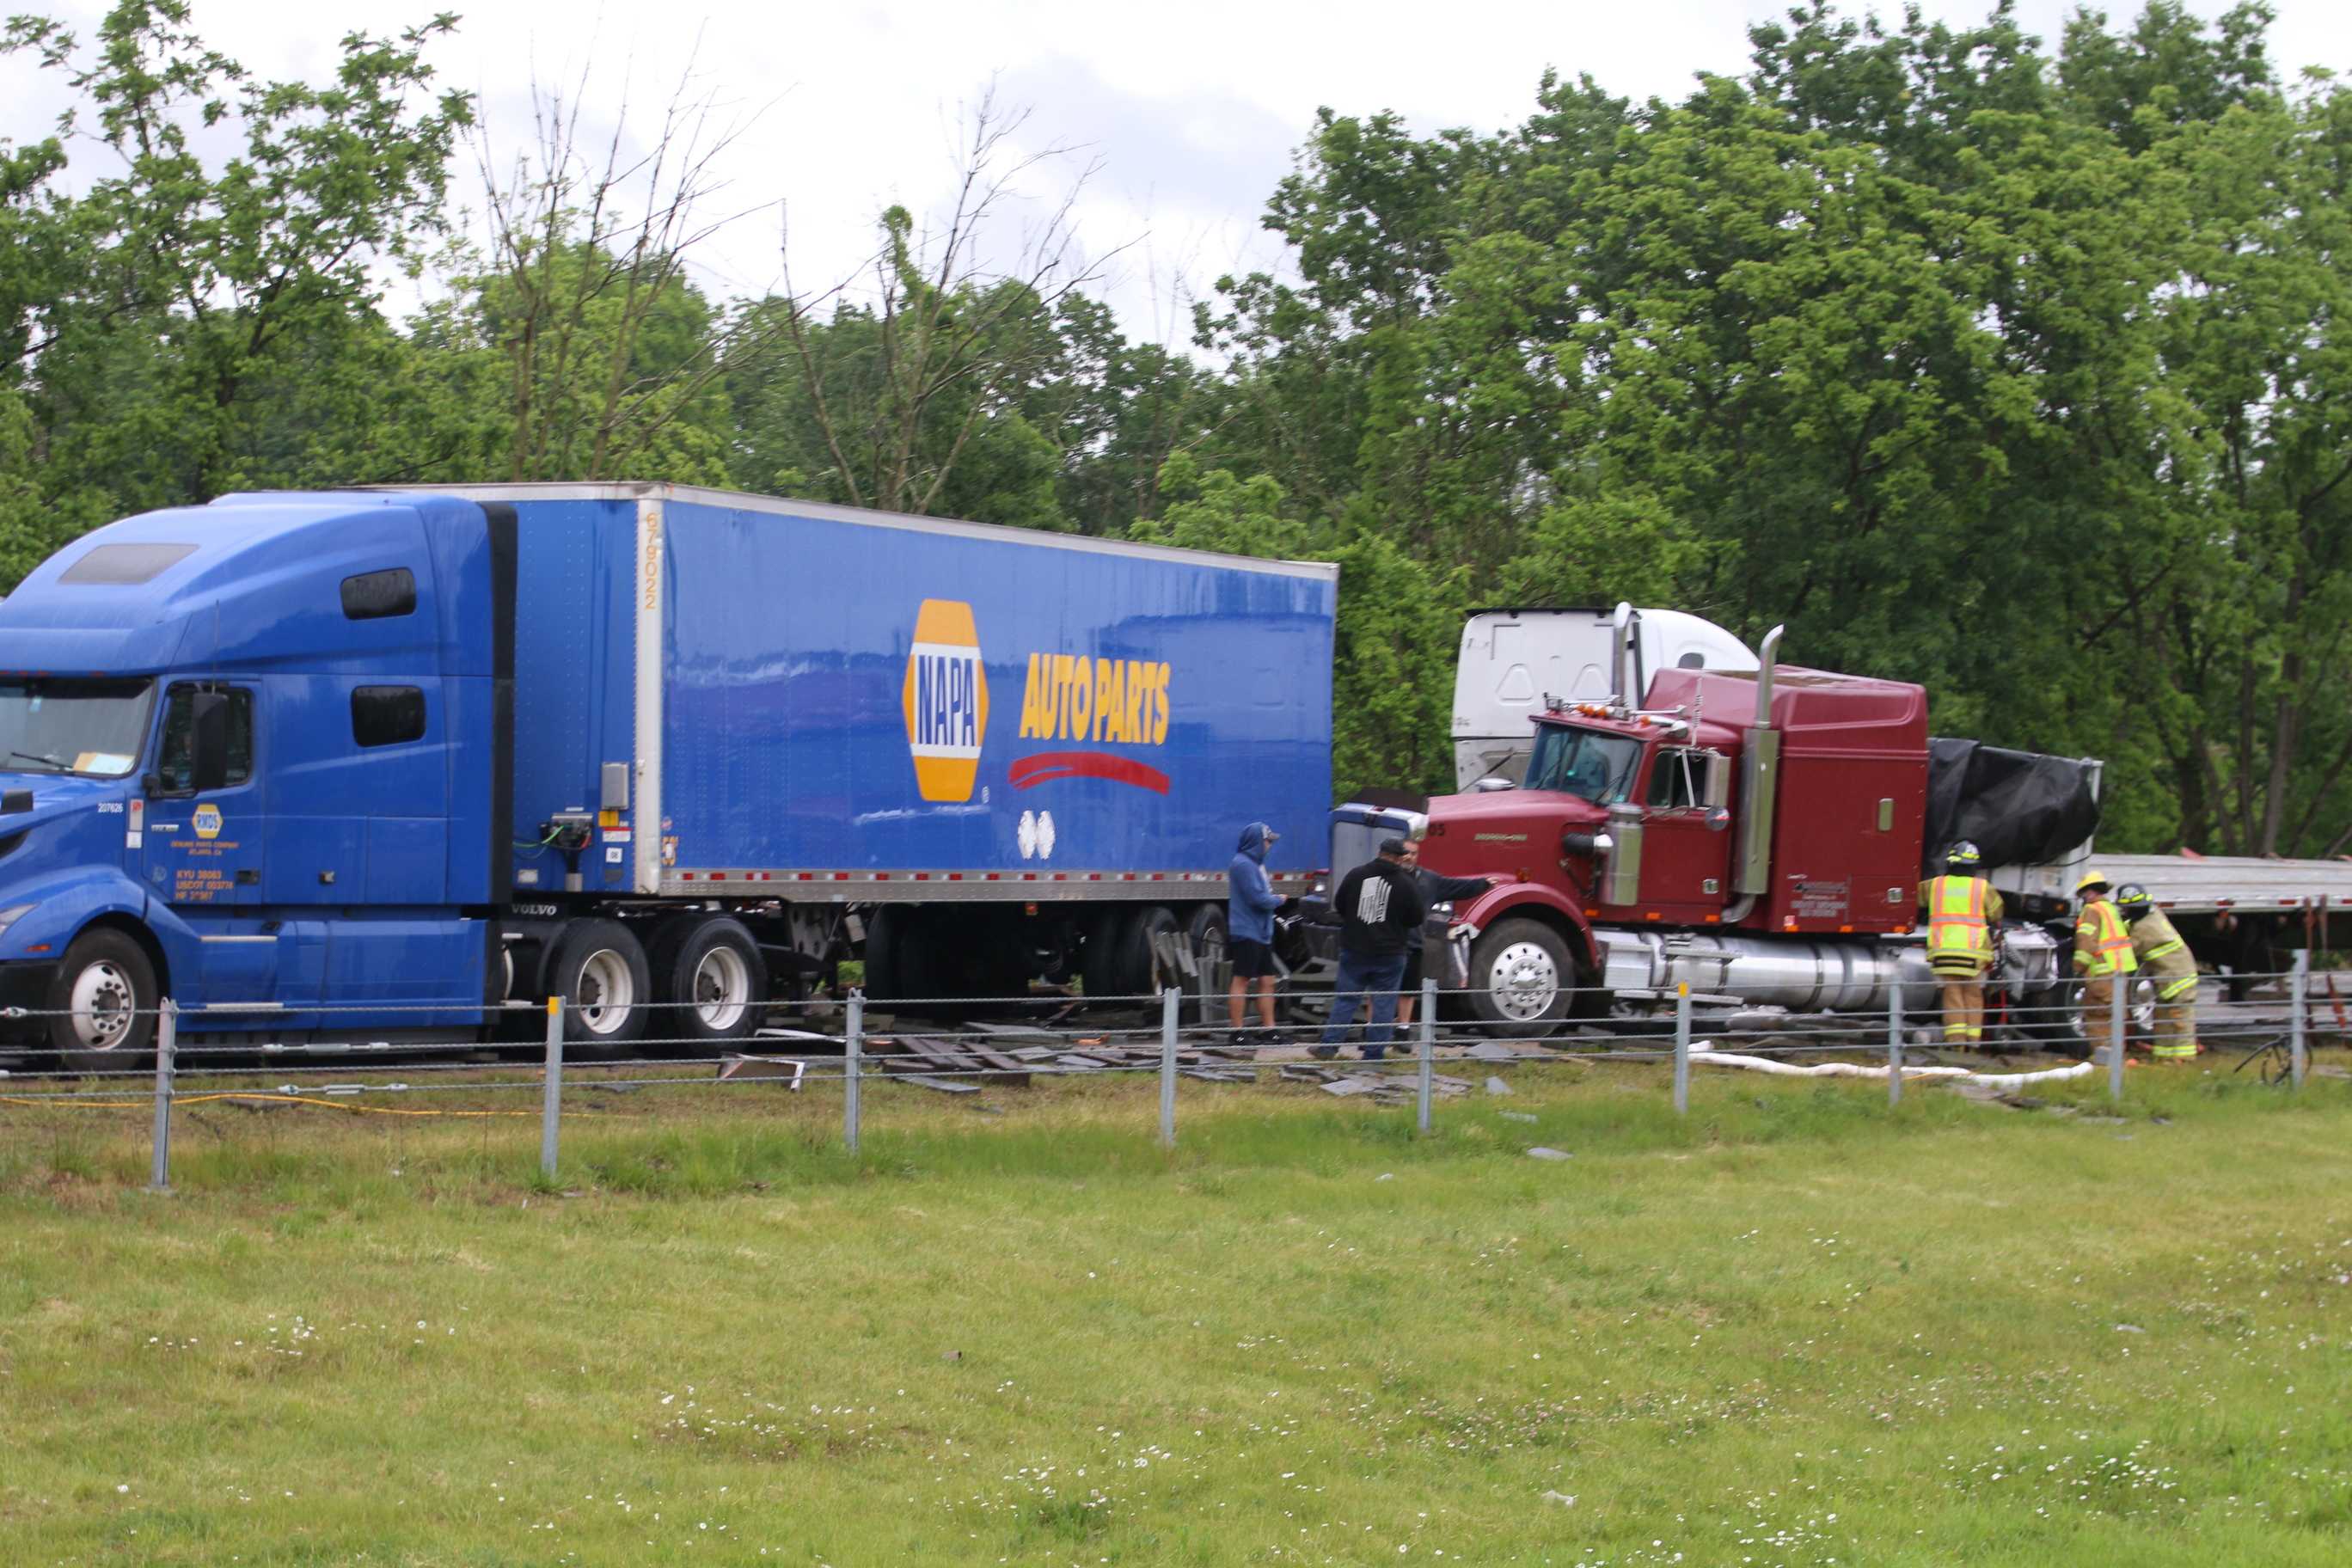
{"points": [[2115, 1036], [1682, 1049], [2298, 990], [852, 1049], [1171, 1000], [167, 1046], [551, 1099], [1425, 1069], [1895, 1046]]}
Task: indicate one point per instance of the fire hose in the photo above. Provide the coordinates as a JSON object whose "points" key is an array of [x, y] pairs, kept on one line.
{"points": [[1704, 1056]]}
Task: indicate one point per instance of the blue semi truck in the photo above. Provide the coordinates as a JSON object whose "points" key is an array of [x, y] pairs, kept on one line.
{"points": [[310, 763]]}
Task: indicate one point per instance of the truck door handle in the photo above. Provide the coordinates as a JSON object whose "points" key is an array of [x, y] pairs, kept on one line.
{"points": [[248, 878]]}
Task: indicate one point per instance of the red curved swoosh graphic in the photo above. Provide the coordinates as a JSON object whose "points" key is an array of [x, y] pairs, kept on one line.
{"points": [[1028, 772]]}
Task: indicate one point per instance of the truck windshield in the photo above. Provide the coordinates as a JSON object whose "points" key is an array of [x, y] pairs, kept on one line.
{"points": [[1583, 763], [65, 726]]}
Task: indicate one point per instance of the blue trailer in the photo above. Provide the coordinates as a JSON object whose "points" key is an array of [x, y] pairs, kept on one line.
{"points": [[385, 760]]}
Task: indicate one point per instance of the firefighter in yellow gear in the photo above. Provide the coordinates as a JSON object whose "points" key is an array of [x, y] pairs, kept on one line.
{"points": [[2103, 954], [2166, 960], [1962, 912]]}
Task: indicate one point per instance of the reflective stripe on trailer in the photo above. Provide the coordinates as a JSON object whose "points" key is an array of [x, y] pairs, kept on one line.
{"points": [[978, 886]]}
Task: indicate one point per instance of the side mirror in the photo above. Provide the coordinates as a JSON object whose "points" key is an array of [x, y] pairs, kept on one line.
{"points": [[207, 740], [1489, 787]]}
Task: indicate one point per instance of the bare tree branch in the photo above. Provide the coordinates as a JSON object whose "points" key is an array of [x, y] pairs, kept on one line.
{"points": [[945, 323], [589, 248]]}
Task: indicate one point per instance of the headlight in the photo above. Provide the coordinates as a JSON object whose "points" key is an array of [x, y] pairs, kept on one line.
{"points": [[10, 915]]}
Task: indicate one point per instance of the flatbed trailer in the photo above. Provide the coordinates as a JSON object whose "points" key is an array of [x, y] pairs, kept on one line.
{"points": [[2243, 915], [2240, 885]]}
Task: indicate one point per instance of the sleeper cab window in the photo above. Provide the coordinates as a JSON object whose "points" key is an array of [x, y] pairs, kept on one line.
{"points": [[373, 595], [387, 715]]}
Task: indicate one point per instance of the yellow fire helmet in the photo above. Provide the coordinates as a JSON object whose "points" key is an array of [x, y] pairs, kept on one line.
{"points": [[2092, 878]]}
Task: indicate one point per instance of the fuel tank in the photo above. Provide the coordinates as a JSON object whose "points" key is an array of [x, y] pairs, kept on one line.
{"points": [[1805, 974]]}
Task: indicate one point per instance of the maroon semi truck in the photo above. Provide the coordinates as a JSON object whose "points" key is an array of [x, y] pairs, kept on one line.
{"points": [[1754, 835]]}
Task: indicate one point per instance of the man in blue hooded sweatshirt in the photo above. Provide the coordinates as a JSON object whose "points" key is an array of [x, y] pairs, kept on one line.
{"points": [[1249, 931]]}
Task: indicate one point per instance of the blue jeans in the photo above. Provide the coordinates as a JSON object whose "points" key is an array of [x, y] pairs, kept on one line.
{"points": [[1380, 976]]}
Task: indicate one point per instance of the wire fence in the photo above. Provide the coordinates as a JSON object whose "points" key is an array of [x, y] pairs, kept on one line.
{"points": [[2079, 1028]]}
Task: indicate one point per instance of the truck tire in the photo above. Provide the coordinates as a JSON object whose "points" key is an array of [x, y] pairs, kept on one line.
{"points": [[999, 961], [2044, 1017], [1206, 932], [877, 957], [1119, 959], [600, 971], [897, 965], [108, 986], [711, 974], [1522, 979]]}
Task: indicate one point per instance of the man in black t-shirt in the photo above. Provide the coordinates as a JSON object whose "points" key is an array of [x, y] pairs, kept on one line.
{"points": [[1381, 909]]}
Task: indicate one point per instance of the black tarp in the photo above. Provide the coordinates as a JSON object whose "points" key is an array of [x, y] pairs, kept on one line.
{"points": [[2018, 808]]}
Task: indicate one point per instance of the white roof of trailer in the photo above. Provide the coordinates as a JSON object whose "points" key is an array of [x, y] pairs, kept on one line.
{"points": [[639, 489]]}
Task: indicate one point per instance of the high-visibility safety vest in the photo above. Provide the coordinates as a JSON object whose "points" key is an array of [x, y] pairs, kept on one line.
{"points": [[1955, 918], [2102, 945], [2163, 955]]}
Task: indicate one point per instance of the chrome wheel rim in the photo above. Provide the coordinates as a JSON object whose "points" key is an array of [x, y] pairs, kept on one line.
{"points": [[607, 992], [722, 988], [1524, 981], [104, 1006]]}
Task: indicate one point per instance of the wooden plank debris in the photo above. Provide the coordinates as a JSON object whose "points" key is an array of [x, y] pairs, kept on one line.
{"points": [[1345, 1087], [944, 1084], [1003, 1069], [914, 1057], [1392, 1086], [745, 1067]]}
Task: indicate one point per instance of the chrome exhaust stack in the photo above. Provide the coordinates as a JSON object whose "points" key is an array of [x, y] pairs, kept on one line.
{"points": [[1625, 659], [1760, 781]]}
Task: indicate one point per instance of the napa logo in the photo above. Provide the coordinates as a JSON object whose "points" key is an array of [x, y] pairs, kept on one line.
{"points": [[946, 701], [207, 821]]}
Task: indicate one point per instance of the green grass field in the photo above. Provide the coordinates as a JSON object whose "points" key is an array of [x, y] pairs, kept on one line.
{"points": [[1794, 1329]]}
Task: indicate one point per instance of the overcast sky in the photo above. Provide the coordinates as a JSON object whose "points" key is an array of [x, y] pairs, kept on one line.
{"points": [[1188, 113]]}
